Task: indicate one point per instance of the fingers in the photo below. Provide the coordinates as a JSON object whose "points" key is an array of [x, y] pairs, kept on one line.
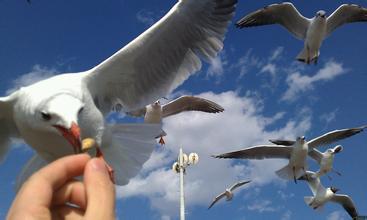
{"points": [[66, 213], [100, 191], [38, 190], [73, 192]]}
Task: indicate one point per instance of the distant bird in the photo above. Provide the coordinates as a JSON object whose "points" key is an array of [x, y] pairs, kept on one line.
{"points": [[322, 195], [154, 113], [312, 31], [54, 115], [295, 151], [325, 160], [296, 154], [228, 192]]}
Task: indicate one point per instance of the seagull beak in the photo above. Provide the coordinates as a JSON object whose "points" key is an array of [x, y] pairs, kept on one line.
{"points": [[72, 135]]}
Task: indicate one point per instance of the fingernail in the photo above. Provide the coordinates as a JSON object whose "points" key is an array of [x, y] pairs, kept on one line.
{"points": [[99, 165]]}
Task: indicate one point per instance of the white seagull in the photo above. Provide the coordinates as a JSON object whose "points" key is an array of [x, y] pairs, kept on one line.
{"points": [[154, 113], [296, 154], [295, 151], [54, 115], [322, 195], [312, 31], [228, 193], [325, 160]]}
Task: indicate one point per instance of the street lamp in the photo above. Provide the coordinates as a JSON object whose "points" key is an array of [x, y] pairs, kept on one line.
{"points": [[179, 166]]}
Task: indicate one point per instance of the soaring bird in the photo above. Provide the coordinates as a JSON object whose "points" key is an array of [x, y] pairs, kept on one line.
{"points": [[54, 115], [322, 195], [325, 160], [154, 113], [296, 154], [228, 193], [312, 31]]}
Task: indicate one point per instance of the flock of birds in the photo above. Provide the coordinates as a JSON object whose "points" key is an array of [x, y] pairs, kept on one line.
{"points": [[55, 115]]}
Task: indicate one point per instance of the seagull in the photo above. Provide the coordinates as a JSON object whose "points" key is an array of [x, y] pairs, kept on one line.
{"points": [[296, 154], [154, 113], [295, 151], [322, 195], [54, 115], [325, 160], [312, 31], [228, 192]]}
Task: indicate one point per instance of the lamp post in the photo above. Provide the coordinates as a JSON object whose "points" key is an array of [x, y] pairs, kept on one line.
{"points": [[180, 167]]}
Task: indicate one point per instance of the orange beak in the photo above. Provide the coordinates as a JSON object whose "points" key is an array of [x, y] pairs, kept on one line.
{"points": [[72, 135]]}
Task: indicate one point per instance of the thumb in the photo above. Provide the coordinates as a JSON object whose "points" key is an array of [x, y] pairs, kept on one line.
{"points": [[100, 191]]}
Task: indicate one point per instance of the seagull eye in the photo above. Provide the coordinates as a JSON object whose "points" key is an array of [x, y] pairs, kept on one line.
{"points": [[45, 116], [80, 110]]}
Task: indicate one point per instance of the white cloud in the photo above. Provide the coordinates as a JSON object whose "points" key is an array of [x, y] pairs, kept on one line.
{"points": [[298, 83], [276, 54], [245, 63], [329, 117], [269, 68], [37, 73], [287, 215], [217, 65], [336, 215], [262, 206], [240, 125]]}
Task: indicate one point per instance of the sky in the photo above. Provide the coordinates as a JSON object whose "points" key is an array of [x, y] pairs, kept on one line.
{"points": [[265, 92]]}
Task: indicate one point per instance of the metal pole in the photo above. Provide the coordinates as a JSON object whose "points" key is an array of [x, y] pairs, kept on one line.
{"points": [[182, 198]]}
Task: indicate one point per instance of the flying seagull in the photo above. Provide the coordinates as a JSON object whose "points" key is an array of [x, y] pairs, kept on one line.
{"points": [[154, 113], [311, 30], [295, 151], [296, 154], [228, 192], [325, 160], [322, 195], [54, 115]]}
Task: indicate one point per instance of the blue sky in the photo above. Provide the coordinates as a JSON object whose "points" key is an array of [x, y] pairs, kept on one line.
{"points": [[255, 78]]}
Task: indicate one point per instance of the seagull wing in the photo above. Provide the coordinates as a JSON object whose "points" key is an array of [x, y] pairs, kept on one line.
{"points": [[259, 152], [7, 126], [284, 14], [282, 142], [137, 113], [347, 203], [238, 184], [315, 154], [346, 13], [334, 136], [190, 103], [217, 199], [313, 183], [161, 58]]}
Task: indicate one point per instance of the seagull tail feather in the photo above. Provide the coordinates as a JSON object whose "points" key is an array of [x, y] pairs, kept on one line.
{"points": [[287, 173], [308, 200], [308, 56], [126, 147]]}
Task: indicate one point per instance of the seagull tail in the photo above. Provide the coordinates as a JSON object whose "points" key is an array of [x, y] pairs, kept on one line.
{"points": [[308, 200], [126, 147], [34, 164], [307, 56], [288, 174]]}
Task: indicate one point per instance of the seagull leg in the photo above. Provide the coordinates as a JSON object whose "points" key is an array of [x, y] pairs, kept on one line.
{"points": [[316, 60], [110, 170], [308, 55], [338, 173], [294, 175], [308, 179], [161, 141]]}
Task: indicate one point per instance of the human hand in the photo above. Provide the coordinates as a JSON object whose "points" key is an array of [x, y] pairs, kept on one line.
{"points": [[48, 193]]}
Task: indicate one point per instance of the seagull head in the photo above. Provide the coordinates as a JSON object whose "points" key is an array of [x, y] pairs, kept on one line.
{"points": [[334, 190], [321, 14], [337, 149], [156, 104], [301, 139], [60, 114]]}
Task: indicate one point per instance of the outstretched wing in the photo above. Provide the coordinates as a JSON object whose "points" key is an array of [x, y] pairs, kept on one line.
{"points": [[334, 136], [7, 125], [346, 13], [162, 57], [238, 184], [313, 182], [284, 14], [347, 203], [217, 199], [259, 152], [315, 154], [282, 142], [190, 103]]}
